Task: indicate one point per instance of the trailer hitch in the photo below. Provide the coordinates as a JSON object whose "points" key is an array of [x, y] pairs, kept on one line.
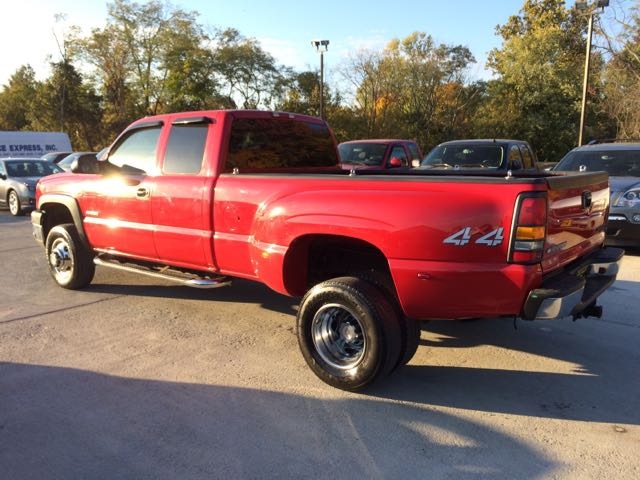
{"points": [[591, 310]]}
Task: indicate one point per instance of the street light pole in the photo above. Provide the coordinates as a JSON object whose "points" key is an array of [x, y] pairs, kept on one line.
{"points": [[583, 5], [585, 83], [321, 46]]}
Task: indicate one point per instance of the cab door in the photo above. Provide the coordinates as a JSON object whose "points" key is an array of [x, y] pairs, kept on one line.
{"points": [[117, 207], [182, 207]]}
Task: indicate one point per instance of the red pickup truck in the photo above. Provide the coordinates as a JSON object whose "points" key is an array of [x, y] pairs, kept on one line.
{"points": [[201, 197]]}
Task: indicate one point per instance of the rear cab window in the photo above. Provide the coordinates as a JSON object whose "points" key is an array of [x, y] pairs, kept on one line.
{"points": [[279, 144]]}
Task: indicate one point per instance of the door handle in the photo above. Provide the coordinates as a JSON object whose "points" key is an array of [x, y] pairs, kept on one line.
{"points": [[142, 192]]}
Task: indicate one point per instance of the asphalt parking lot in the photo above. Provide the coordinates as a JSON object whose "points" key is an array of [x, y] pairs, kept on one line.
{"points": [[136, 378]]}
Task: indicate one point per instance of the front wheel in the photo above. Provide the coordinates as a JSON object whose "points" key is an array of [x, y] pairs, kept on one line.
{"points": [[14, 204], [348, 332], [70, 262]]}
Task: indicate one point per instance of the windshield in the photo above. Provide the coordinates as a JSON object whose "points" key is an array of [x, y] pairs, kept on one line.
{"points": [[362, 153], [464, 156], [30, 168], [617, 163]]}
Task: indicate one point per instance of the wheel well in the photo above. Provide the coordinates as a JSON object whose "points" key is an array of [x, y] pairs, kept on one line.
{"points": [[315, 258], [56, 214]]}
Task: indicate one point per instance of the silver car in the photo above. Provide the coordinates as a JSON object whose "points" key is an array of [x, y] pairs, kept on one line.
{"points": [[18, 179], [622, 162]]}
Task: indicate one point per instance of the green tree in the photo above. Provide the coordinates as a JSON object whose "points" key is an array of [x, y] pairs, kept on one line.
{"points": [[106, 51], [82, 112], [248, 75], [16, 98], [149, 58], [537, 93], [300, 93]]}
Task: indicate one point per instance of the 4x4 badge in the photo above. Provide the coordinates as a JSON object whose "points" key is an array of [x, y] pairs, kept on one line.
{"points": [[463, 237]]}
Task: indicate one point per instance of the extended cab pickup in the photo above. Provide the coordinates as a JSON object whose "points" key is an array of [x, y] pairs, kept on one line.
{"points": [[201, 197]]}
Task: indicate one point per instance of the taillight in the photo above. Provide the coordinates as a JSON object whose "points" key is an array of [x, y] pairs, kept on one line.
{"points": [[529, 229]]}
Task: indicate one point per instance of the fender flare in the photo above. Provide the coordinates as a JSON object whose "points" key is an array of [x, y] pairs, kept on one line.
{"points": [[71, 205]]}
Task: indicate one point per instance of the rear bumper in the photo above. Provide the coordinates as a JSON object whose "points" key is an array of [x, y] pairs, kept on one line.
{"points": [[576, 289]]}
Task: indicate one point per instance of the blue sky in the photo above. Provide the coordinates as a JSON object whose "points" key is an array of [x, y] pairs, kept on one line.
{"points": [[284, 28]]}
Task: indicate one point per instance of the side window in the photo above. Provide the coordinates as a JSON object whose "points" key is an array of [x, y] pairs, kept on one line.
{"points": [[515, 159], [398, 151], [185, 148], [137, 152], [527, 157], [415, 152]]}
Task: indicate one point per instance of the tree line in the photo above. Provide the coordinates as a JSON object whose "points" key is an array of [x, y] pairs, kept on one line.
{"points": [[152, 57]]}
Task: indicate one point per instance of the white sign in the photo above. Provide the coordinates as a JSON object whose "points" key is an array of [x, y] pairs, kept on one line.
{"points": [[32, 144]]}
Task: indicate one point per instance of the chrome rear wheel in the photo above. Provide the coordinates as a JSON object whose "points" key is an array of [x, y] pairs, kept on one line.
{"points": [[338, 337]]}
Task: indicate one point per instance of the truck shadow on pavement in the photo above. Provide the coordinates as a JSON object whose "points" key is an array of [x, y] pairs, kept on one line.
{"points": [[67, 423], [597, 385], [584, 375], [241, 291]]}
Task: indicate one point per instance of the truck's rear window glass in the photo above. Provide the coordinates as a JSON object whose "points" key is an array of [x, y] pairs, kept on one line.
{"points": [[279, 143], [185, 148]]}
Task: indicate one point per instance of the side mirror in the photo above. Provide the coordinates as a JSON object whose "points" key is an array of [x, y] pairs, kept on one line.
{"points": [[395, 162], [3, 176], [415, 163]]}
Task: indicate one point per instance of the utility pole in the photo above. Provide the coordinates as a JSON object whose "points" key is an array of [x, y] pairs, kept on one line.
{"points": [[321, 47], [591, 10]]}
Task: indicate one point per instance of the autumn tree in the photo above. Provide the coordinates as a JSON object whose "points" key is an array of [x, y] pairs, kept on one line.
{"points": [[402, 91], [622, 80]]}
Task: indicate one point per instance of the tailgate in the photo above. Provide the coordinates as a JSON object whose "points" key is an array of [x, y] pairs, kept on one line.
{"points": [[578, 205]]}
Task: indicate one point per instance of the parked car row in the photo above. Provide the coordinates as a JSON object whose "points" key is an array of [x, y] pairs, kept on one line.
{"points": [[495, 154]]}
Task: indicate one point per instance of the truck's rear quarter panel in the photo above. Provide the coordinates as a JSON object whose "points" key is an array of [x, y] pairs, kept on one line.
{"points": [[408, 219]]}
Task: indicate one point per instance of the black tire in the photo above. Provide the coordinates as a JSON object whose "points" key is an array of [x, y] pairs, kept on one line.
{"points": [[70, 262], [411, 340], [409, 328], [348, 332], [13, 201]]}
